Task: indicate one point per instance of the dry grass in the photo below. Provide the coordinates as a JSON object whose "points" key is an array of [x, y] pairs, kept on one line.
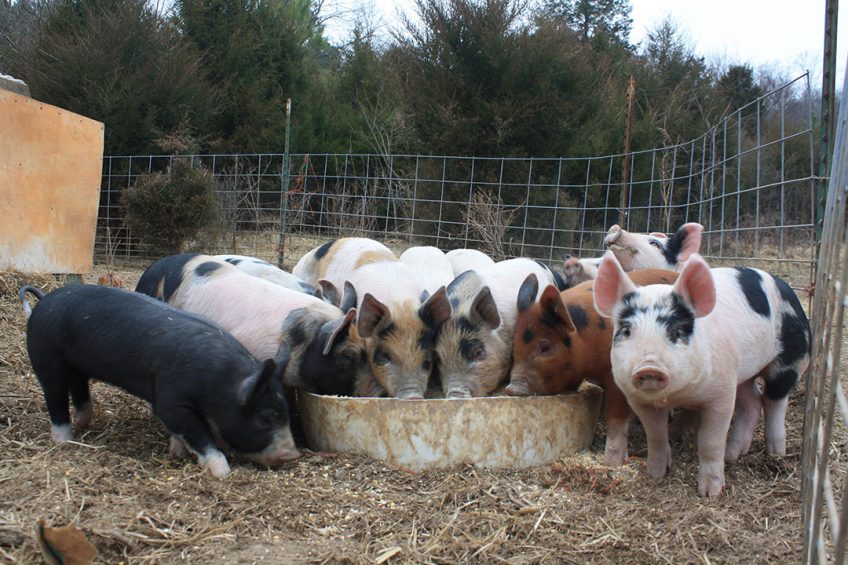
{"points": [[137, 505]]}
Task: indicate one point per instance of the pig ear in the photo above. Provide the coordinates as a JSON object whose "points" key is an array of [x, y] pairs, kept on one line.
{"points": [[658, 235], [611, 283], [484, 306], [695, 284], [691, 235], [348, 297], [372, 313], [436, 310], [553, 308], [330, 292], [337, 329], [256, 385], [527, 293]]}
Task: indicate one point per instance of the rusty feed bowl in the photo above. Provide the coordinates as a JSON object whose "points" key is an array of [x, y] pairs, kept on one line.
{"points": [[499, 431]]}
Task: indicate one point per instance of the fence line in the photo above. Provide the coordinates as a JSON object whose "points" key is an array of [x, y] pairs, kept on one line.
{"points": [[749, 180], [825, 480]]}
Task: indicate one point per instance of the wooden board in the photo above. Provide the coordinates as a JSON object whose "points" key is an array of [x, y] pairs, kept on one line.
{"points": [[50, 167]]}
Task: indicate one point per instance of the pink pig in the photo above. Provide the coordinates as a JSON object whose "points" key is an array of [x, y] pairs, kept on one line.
{"points": [[701, 344]]}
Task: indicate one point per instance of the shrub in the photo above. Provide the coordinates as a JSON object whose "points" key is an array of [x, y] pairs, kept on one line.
{"points": [[165, 209]]}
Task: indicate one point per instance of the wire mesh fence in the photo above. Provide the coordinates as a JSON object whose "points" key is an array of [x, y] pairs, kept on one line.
{"points": [[825, 474], [749, 180]]}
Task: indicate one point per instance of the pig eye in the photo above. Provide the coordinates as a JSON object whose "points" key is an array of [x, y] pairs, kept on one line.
{"points": [[267, 419], [623, 331], [381, 357], [655, 243], [679, 335], [546, 348], [477, 353]]}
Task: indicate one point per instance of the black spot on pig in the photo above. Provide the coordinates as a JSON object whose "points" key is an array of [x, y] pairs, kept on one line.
{"points": [[794, 339], [559, 281], [781, 385], [602, 325], [467, 325], [578, 317], [566, 341], [427, 339], [233, 260], [629, 307], [678, 319], [751, 284], [297, 334], [324, 249], [528, 335], [672, 246], [471, 349], [207, 267], [168, 271], [387, 331]]}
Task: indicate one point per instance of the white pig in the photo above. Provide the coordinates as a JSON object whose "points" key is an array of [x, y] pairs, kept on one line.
{"points": [[654, 250], [338, 258], [576, 270], [468, 259], [267, 271], [701, 344], [431, 265]]}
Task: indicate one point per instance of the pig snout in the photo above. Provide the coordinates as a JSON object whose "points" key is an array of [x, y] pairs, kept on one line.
{"points": [[459, 392], [613, 235], [650, 379], [517, 387], [280, 450], [413, 394]]}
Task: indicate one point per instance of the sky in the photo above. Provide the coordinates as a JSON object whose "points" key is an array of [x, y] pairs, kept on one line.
{"points": [[788, 34]]}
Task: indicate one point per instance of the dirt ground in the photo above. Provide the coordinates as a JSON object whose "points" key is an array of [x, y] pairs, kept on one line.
{"points": [[137, 505]]}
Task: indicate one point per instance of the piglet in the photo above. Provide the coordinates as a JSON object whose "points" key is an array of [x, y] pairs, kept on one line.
{"points": [[327, 354], [560, 341], [462, 260], [701, 344], [267, 271], [576, 270], [431, 265], [201, 382], [654, 250], [335, 260], [474, 346]]}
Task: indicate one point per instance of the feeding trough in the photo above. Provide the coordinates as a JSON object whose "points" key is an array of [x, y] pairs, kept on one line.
{"points": [[498, 431]]}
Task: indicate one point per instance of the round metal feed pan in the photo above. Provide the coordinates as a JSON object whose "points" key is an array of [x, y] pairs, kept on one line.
{"points": [[499, 431]]}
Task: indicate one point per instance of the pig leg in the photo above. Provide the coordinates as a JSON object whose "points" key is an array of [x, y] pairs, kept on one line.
{"points": [[775, 424], [617, 417], [81, 399], [655, 422], [176, 448], [183, 423], [712, 437], [54, 377], [749, 402]]}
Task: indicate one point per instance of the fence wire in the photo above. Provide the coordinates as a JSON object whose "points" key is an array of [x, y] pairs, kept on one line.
{"points": [[825, 475], [748, 180]]}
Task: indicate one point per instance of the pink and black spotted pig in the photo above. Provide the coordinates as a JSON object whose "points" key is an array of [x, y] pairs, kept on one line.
{"points": [[701, 344], [654, 250]]}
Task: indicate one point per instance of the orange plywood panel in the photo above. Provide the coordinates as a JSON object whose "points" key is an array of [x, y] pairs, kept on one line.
{"points": [[50, 165]]}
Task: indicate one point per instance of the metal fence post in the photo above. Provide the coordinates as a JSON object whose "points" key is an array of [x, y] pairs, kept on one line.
{"points": [[284, 188]]}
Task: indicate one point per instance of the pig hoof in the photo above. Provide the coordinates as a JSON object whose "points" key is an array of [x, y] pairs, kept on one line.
{"points": [[735, 450], [615, 457], [776, 448], [61, 433], [217, 465], [176, 448], [659, 466], [82, 415], [710, 485]]}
